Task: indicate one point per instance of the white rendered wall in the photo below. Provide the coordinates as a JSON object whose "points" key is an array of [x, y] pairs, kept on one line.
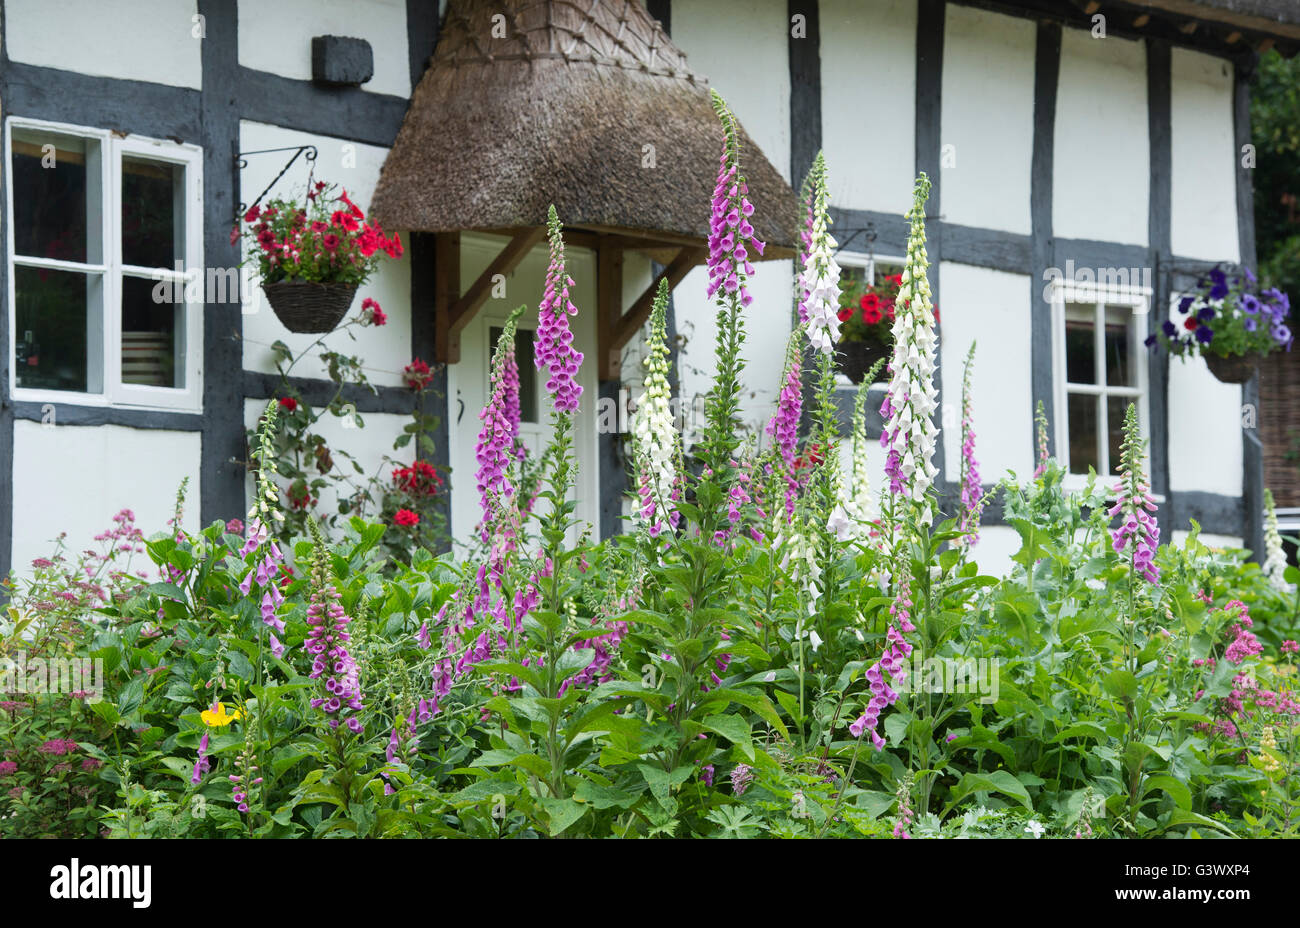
{"points": [[1102, 157], [1205, 417], [385, 350], [142, 40], [742, 48], [992, 309], [988, 119], [369, 445], [276, 37], [1203, 214], [994, 550], [868, 61], [74, 479], [1179, 538]]}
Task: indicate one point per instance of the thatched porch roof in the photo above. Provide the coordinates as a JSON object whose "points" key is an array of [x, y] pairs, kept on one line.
{"points": [[586, 105]]}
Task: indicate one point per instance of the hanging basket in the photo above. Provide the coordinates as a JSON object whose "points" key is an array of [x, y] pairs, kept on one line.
{"points": [[856, 358], [309, 306], [1236, 369]]}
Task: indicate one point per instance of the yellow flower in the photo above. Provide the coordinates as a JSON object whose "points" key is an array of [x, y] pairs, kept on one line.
{"points": [[217, 717]]}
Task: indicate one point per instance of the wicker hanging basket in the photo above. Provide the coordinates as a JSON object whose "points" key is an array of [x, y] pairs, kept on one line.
{"points": [[856, 358], [309, 306], [1237, 369]]}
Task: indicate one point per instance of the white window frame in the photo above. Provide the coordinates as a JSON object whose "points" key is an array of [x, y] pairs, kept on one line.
{"points": [[859, 259], [111, 270], [1100, 296]]}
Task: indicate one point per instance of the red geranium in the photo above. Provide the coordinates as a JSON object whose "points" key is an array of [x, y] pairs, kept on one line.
{"points": [[420, 479], [376, 315], [406, 518], [417, 375]]}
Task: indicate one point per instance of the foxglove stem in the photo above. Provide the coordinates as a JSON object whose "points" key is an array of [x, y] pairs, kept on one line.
{"points": [[972, 492], [1274, 555], [784, 424], [555, 349], [656, 442], [1040, 424], [730, 238], [497, 438], [1134, 505], [910, 432], [819, 278]]}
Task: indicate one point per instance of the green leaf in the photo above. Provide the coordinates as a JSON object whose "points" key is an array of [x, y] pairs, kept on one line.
{"points": [[604, 797], [999, 781], [131, 696], [563, 813], [1176, 789], [734, 729], [1121, 683]]}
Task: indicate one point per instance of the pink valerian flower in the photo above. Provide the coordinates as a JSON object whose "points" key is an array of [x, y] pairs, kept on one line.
{"points": [[972, 491], [892, 662], [1244, 643], [1134, 505], [730, 232], [327, 639], [1290, 647], [554, 346], [58, 747], [784, 425], [7, 768]]}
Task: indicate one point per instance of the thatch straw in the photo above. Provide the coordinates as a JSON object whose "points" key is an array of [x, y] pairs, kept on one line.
{"points": [[561, 111]]}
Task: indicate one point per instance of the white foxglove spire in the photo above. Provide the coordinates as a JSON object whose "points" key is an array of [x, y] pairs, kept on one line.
{"points": [[819, 280], [910, 432]]}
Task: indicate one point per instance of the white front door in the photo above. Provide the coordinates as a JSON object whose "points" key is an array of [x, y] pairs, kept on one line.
{"points": [[467, 381]]}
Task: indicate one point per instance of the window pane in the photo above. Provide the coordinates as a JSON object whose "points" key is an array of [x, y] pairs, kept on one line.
{"points": [[57, 194], [153, 224], [1119, 366], [58, 331], [1080, 345], [527, 371], [1083, 432], [1116, 406], [152, 341]]}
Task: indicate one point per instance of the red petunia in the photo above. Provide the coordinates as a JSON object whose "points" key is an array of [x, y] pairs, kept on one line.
{"points": [[845, 314], [252, 214], [871, 314], [352, 207], [406, 518], [330, 242], [345, 221], [869, 301], [1191, 323]]}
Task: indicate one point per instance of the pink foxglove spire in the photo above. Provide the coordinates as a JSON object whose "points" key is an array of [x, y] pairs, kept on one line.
{"points": [[730, 233], [1134, 505], [555, 349]]}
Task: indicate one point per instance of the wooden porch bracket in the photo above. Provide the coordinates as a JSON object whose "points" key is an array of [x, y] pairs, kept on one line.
{"points": [[452, 309], [614, 329]]}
